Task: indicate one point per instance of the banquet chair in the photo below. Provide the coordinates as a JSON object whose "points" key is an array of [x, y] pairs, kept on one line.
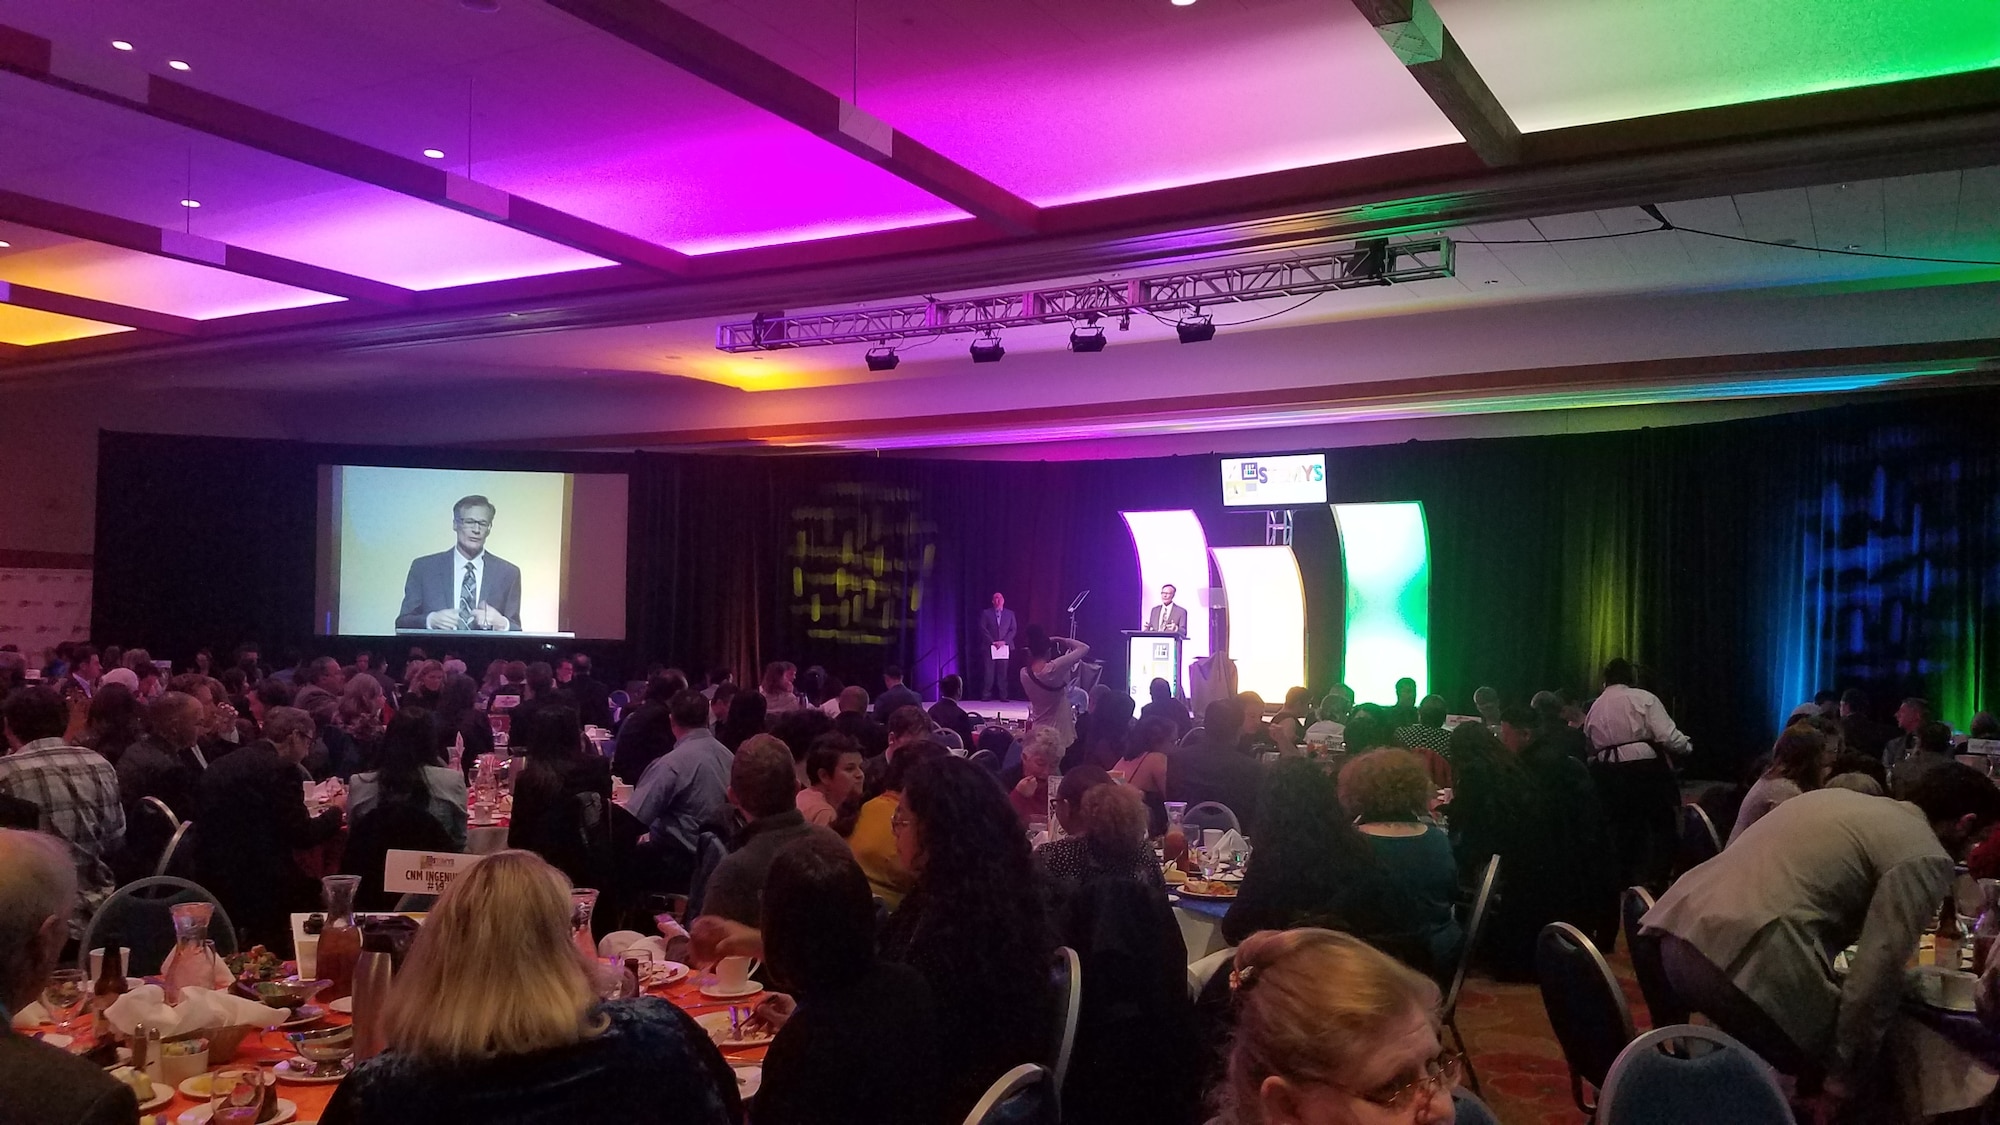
{"points": [[1194, 736], [178, 847], [1685, 1072], [1068, 979], [1585, 1006], [708, 852], [1699, 840], [139, 916], [1662, 1006], [161, 806], [1475, 927], [1019, 1097], [1211, 814], [986, 760]]}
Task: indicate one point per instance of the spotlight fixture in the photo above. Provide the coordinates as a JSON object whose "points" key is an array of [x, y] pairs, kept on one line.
{"points": [[1195, 330], [883, 358], [434, 153], [190, 203], [178, 64], [987, 349], [120, 45], [1087, 338]]}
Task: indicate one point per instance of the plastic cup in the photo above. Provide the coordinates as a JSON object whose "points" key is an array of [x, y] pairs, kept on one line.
{"points": [[308, 956], [124, 961]]}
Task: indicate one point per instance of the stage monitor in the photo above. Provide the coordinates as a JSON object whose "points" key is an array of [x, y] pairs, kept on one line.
{"points": [[430, 551], [1274, 482]]}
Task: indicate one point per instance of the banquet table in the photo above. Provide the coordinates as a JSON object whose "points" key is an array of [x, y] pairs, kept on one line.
{"points": [[1201, 925], [486, 839], [269, 1048]]}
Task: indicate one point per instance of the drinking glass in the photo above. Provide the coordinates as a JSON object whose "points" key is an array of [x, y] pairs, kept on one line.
{"points": [[65, 994], [582, 903], [236, 1093]]}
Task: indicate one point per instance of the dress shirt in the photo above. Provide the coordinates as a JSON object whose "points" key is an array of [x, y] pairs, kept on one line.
{"points": [[77, 792], [1625, 722], [813, 805], [1822, 871], [685, 792]]}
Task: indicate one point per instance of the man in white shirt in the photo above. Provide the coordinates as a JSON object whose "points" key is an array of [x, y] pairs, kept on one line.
{"points": [[1630, 733]]}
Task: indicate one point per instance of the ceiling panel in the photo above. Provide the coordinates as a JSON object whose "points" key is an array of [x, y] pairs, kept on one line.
{"points": [[32, 326], [1554, 63], [127, 277]]}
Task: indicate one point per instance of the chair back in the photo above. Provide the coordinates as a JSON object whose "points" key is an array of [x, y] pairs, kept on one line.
{"points": [[1688, 1073], [139, 916], [1194, 736], [1699, 840], [986, 760], [392, 825], [415, 902], [1475, 925], [947, 738], [161, 807], [1018, 1097], [1584, 1003], [178, 847], [1068, 979], [708, 852], [1662, 1006], [1211, 814]]}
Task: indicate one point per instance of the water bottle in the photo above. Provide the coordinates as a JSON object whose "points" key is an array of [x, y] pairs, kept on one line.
{"points": [[373, 972]]}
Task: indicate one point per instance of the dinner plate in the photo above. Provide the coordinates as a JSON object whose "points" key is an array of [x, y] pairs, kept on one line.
{"points": [[344, 1005], [162, 1094], [310, 1013], [1198, 897], [200, 1114], [196, 1087], [715, 991], [55, 1039], [299, 1072], [662, 974], [717, 1026], [749, 1079]]}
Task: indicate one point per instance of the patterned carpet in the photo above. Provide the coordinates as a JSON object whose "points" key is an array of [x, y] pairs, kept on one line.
{"points": [[1521, 1071]]}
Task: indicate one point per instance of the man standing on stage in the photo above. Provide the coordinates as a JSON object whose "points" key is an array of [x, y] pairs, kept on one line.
{"points": [[1167, 617], [996, 629]]}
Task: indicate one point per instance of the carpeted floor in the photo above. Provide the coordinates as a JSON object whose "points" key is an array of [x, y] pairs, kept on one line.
{"points": [[1521, 1071]]}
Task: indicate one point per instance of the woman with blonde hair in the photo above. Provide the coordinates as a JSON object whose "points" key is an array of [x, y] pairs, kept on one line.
{"points": [[1332, 1031], [543, 1047]]}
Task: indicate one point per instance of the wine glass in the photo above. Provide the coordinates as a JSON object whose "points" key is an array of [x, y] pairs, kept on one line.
{"points": [[65, 994], [235, 1095]]}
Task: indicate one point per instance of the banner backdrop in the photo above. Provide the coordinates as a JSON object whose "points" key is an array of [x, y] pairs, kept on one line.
{"points": [[40, 608]]}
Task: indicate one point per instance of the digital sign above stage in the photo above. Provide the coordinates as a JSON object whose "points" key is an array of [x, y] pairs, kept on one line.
{"points": [[1274, 482]]}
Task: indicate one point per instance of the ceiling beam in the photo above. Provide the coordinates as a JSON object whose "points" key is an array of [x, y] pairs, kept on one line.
{"points": [[87, 308], [707, 54], [1425, 45], [110, 230], [33, 57]]}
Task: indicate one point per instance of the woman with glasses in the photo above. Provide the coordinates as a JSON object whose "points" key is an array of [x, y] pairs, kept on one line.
{"points": [[1331, 1031]]}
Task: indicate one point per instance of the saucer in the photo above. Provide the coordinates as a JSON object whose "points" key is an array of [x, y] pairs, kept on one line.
{"points": [[716, 991]]}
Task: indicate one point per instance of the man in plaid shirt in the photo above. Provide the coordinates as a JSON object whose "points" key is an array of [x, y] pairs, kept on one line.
{"points": [[75, 789]]}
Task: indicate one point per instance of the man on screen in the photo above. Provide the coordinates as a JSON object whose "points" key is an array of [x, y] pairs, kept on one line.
{"points": [[467, 587], [1167, 617]]}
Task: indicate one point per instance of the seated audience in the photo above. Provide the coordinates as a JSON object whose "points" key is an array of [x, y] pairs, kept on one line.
{"points": [[1144, 768], [779, 678], [116, 721], [798, 730], [1030, 795], [873, 838], [852, 720], [544, 1050], [1105, 826], [720, 698], [1162, 703], [840, 1003], [763, 786], [166, 763], [459, 725], [647, 733], [1288, 726], [685, 792], [1862, 773], [1330, 1030], [425, 685], [73, 789], [947, 713], [1103, 739], [1745, 937], [41, 1083], [1222, 768], [250, 819], [833, 768], [562, 798], [747, 717], [1911, 716], [1933, 750], [408, 772], [1796, 760], [1334, 709], [1428, 740], [895, 695], [1388, 794], [593, 697]]}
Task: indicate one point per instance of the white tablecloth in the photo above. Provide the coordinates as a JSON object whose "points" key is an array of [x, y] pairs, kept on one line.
{"points": [[485, 840]]}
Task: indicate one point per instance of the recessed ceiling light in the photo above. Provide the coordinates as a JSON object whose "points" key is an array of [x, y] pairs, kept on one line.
{"points": [[178, 64], [5, 244], [1183, 3], [434, 153], [120, 45], [190, 202]]}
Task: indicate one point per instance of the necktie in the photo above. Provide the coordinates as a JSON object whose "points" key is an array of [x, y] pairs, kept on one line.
{"points": [[468, 588]]}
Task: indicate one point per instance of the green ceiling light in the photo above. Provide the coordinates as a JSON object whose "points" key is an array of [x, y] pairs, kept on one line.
{"points": [[1385, 555]]}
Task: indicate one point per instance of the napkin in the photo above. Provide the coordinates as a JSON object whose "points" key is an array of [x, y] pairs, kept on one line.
{"points": [[32, 1016], [631, 943], [199, 1009], [1231, 844]]}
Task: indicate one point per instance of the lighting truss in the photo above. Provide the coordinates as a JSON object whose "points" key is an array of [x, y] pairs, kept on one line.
{"points": [[1367, 263]]}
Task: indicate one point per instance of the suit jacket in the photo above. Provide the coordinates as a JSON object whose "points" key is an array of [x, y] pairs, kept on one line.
{"points": [[1217, 773], [1175, 619], [432, 586], [252, 817], [40, 1085], [893, 700], [997, 627]]}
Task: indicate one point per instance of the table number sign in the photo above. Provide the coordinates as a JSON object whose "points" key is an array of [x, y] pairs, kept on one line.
{"points": [[426, 873]]}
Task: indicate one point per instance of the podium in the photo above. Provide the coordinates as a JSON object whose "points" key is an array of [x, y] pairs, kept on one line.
{"points": [[1152, 655]]}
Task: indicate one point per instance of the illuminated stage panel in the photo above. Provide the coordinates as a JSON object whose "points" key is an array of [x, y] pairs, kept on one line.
{"points": [[1267, 618], [1385, 552], [1173, 551]]}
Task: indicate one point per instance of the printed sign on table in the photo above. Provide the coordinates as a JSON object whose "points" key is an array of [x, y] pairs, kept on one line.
{"points": [[426, 873]]}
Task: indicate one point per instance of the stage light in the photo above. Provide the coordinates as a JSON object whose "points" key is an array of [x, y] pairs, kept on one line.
{"points": [[120, 45], [434, 153], [178, 64], [190, 203], [987, 349], [4, 244], [1087, 338], [883, 359], [1385, 557], [1195, 330]]}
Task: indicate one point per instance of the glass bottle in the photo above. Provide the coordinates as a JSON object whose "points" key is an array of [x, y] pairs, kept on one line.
{"points": [[193, 963], [1986, 927], [339, 938], [582, 904]]}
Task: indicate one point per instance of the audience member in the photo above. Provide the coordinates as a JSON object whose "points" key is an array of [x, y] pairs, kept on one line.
{"points": [[74, 790], [1486, 701], [1388, 796], [1105, 838], [647, 732], [166, 764], [1103, 741], [1863, 773], [1630, 736], [947, 713], [459, 725], [873, 838], [1162, 703], [1428, 740], [1046, 677], [834, 776], [546, 1047], [562, 799], [1910, 719], [779, 678], [1796, 761], [747, 714], [40, 1082], [1933, 750], [252, 819], [895, 694], [720, 698], [116, 722], [1039, 757], [1404, 712], [853, 721], [763, 785], [1221, 768], [408, 773], [798, 729], [593, 698], [1144, 768], [686, 791], [1310, 867]]}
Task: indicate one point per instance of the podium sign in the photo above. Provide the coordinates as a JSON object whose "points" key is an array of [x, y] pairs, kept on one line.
{"points": [[1150, 656]]}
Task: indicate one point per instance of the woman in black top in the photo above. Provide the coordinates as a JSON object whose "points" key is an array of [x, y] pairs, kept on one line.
{"points": [[457, 718], [841, 1006], [747, 712], [1106, 823], [562, 800]]}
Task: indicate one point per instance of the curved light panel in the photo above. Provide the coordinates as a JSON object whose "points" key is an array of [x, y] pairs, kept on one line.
{"points": [[1173, 551], [1267, 618], [1385, 553]]}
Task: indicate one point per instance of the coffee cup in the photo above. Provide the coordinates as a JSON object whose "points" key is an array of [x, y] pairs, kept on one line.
{"points": [[124, 961], [733, 973]]}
